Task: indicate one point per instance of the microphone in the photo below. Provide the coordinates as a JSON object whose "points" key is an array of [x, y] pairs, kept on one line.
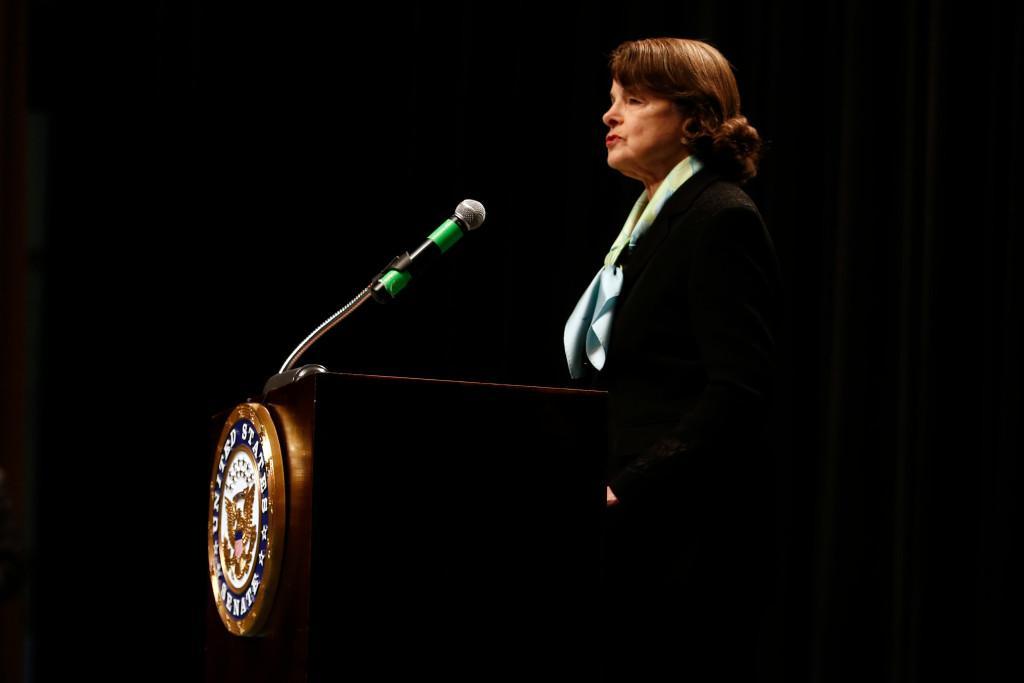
{"points": [[387, 284], [469, 214]]}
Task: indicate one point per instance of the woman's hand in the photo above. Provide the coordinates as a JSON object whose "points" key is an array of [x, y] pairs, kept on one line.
{"points": [[610, 497]]}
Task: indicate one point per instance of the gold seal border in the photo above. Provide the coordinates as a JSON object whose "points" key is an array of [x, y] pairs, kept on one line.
{"points": [[256, 619]]}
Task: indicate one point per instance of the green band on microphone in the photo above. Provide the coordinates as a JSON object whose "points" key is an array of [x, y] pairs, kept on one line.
{"points": [[395, 281], [446, 235]]}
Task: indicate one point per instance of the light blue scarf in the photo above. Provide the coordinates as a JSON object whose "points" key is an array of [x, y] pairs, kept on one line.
{"points": [[588, 327]]}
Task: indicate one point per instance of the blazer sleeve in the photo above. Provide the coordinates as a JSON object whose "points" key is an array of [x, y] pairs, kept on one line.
{"points": [[733, 299]]}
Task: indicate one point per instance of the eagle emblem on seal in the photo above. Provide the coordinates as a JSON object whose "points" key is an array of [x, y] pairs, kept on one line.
{"points": [[240, 533]]}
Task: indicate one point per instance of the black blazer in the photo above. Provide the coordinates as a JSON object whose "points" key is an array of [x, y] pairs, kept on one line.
{"points": [[689, 363]]}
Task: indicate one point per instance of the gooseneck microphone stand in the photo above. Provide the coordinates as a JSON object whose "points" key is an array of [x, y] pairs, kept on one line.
{"points": [[384, 287]]}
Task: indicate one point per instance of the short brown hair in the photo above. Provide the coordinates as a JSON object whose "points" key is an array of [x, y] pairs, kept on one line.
{"points": [[700, 81]]}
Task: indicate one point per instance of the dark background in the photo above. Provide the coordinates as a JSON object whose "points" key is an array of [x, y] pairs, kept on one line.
{"points": [[189, 188]]}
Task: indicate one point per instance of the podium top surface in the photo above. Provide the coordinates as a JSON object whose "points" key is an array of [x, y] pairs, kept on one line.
{"points": [[468, 383]]}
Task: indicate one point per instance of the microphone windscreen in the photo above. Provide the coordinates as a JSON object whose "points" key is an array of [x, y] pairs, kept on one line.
{"points": [[470, 212]]}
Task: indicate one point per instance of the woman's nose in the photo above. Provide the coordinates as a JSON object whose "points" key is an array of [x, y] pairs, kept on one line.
{"points": [[611, 117]]}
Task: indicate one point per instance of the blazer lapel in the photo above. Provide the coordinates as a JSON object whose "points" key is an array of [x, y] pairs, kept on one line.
{"points": [[647, 247]]}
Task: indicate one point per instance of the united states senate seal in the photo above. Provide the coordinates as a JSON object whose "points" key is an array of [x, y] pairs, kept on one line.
{"points": [[246, 519]]}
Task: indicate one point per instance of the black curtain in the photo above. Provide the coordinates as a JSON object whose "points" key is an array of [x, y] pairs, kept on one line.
{"points": [[218, 177], [13, 342]]}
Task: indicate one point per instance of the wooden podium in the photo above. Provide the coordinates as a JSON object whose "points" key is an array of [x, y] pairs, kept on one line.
{"points": [[449, 530]]}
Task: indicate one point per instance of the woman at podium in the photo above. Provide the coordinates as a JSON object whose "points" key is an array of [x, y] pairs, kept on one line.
{"points": [[678, 325]]}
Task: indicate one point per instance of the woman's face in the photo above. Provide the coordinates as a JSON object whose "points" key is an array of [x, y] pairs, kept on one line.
{"points": [[644, 134]]}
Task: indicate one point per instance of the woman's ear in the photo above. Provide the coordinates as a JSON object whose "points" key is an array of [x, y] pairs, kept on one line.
{"points": [[691, 129]]}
